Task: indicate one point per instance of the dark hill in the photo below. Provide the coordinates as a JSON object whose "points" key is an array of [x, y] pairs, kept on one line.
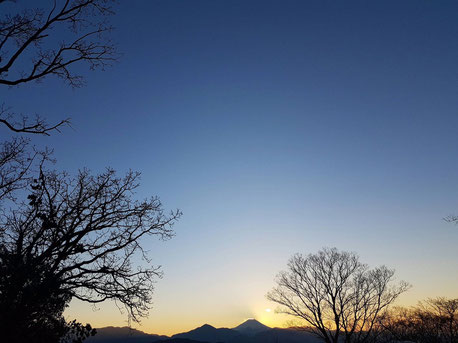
{"points": [[208, 333], [112, 334]]}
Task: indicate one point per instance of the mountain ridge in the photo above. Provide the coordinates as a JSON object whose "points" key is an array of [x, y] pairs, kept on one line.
{"points": [[208, 333], [250, 331], [251, 327]]}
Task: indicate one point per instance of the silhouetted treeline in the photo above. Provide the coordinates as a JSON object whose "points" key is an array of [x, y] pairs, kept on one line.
{"points": [[431, 321]]}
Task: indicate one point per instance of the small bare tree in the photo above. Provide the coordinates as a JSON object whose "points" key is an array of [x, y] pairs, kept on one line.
{"points": [[337, 296]]}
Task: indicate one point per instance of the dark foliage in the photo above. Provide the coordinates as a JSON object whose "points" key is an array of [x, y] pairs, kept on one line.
{"points": [[76, 238], [71, 237]]}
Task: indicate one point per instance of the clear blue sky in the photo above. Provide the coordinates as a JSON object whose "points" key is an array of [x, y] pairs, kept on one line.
{"points": [[276, 127]]}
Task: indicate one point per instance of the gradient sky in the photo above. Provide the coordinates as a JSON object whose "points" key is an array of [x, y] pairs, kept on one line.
{"points": [[276, 127]]}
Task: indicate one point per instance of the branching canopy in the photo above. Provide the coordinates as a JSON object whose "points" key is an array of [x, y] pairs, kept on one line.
{"points": [[431, 321], [335, 294], [84, 233], [33, 47]]}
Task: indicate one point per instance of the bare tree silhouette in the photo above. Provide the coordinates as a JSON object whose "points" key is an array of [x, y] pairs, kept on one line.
{"points": [[431, 321], [29, 50], [37, 43], [338, 297], [72, 237], [77, 238]]}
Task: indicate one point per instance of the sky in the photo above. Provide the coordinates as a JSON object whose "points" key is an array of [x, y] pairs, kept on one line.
{"points": [[276, 127]]}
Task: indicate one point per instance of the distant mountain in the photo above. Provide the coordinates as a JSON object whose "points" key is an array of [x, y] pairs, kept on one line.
{"points": [[208, 333], [250, 331], [112, 334], [251, 327]]}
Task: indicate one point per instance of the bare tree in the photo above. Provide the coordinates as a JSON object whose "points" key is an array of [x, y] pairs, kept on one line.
{"points": [[72, 237], [36, 43], [337, 296], [77, 238], [431, 321], [446, 311], [15, 162], [452, 219], [32, 47]]}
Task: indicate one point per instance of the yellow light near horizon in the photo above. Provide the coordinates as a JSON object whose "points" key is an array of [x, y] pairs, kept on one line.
{"points": [[268, 310]]}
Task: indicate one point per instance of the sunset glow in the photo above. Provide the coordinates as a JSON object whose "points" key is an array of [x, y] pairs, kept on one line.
{"points": [[261, 129]]}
